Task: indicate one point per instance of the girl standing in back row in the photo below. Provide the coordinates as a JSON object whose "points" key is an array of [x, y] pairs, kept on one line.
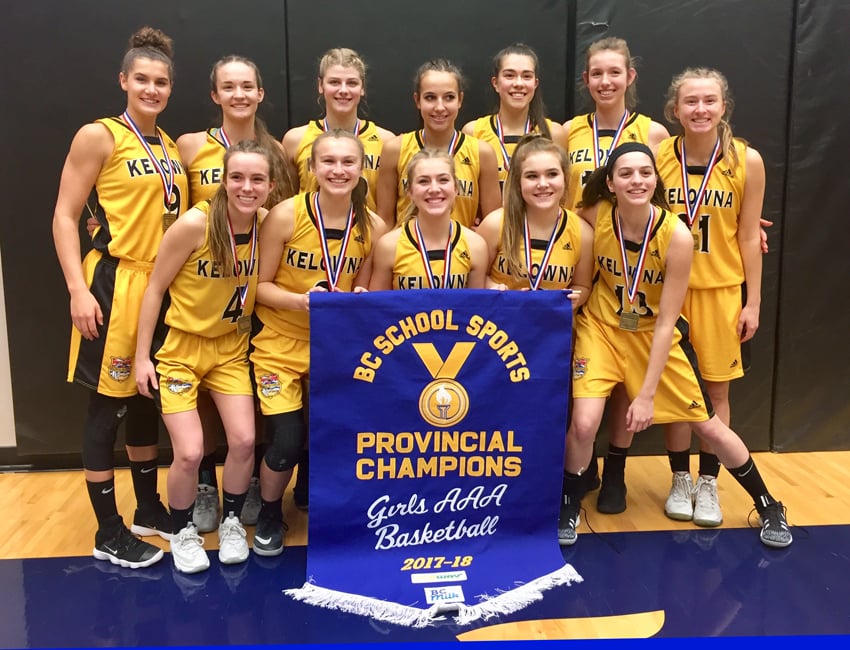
{"points": [[520, 109], [438, 93], [342, 87]]}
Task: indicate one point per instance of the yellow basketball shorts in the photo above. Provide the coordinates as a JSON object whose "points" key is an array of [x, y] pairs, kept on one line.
{"points": [[105, 364], [280, 363], [713, 315], [606, 356], [187, 362]]}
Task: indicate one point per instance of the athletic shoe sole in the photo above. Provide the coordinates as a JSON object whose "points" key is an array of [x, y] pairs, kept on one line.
{"points": [[268, 552], [100, 555], [144, 531]]}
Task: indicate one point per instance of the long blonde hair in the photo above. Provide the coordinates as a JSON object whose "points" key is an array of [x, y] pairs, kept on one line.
{"points": [[220, 242], [513, 220], [724, 129]]}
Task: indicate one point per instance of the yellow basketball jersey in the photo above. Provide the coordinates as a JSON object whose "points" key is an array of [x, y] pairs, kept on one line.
{"points": [[559, 272], [202, 301], [409, 270], [580, 147], [367, 132], [302, 266], [484, 128], [207, 169], [717, 257], [130, 194], [609, 297], [467, 168]]}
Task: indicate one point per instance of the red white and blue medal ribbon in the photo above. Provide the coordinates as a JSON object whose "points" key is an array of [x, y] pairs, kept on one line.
{"points": [[692, 207], [617, 134], [423, 253], [224, 139], [243, 291], [534, 282], [167, 177], [333, 271], [452, 144], [633, 282], [500, 132]]}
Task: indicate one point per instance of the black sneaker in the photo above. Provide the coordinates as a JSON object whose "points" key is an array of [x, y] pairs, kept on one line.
{"points": [[152, 520], [568, 521], [612, 496], [115, 543], [268, 537], [774, 527]]}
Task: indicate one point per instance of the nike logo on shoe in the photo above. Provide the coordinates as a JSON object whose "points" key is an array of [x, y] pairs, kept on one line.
{"points": [[263, 540], [110, 549]]}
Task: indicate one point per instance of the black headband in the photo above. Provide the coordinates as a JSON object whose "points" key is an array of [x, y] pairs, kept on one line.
{"points": [[628, 147]]}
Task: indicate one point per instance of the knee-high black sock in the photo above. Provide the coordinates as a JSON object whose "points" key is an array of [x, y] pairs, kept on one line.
{"points": [[680, 461], [709, 464], [750, 479], [232, 504], [144, 482], [102, 497]]}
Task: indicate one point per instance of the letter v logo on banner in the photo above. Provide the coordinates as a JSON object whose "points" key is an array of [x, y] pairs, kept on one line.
{"points": [[444, 401]]}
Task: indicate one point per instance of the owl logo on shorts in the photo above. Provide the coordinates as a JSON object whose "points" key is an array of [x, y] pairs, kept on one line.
{"points": [[120, 367], [580, 367], [269, 385], [177, 386]]}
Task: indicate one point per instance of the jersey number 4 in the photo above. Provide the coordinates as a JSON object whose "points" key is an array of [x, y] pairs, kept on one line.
{"points": [[233, 311]]}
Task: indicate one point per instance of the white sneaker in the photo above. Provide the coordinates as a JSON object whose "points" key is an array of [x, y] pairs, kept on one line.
{"points": [[187, 549], [232, 545], [706, 503], [207, 511], [680, 503], [251, 509]]}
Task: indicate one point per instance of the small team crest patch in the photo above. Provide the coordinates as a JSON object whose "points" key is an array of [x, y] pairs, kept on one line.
{"points": [[177, 386], [120, 367], [580, 367], [269, 385]]}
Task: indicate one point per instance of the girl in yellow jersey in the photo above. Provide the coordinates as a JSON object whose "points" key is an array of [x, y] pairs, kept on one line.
{"points": [[438, 93], [208, 265], [609, 77], [631, 331], [533, 242], [715, 183], [315, 241], [237, 88], [431, 250], [342, 85], [519, 110], [141, 188]]}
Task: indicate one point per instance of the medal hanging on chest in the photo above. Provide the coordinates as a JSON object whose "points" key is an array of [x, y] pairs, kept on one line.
{"points": [[629, 320]]}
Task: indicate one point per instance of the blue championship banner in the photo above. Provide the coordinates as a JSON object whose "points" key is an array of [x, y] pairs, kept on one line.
{"points": [[437, 426]]}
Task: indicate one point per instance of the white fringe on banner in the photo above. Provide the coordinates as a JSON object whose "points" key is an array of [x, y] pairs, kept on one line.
{"points": [[505, 602]]}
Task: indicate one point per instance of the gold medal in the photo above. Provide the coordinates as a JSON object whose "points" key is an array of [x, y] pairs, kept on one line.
{"points": [[696, 242], [168, 220], [243, 325], [629, 321]]}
